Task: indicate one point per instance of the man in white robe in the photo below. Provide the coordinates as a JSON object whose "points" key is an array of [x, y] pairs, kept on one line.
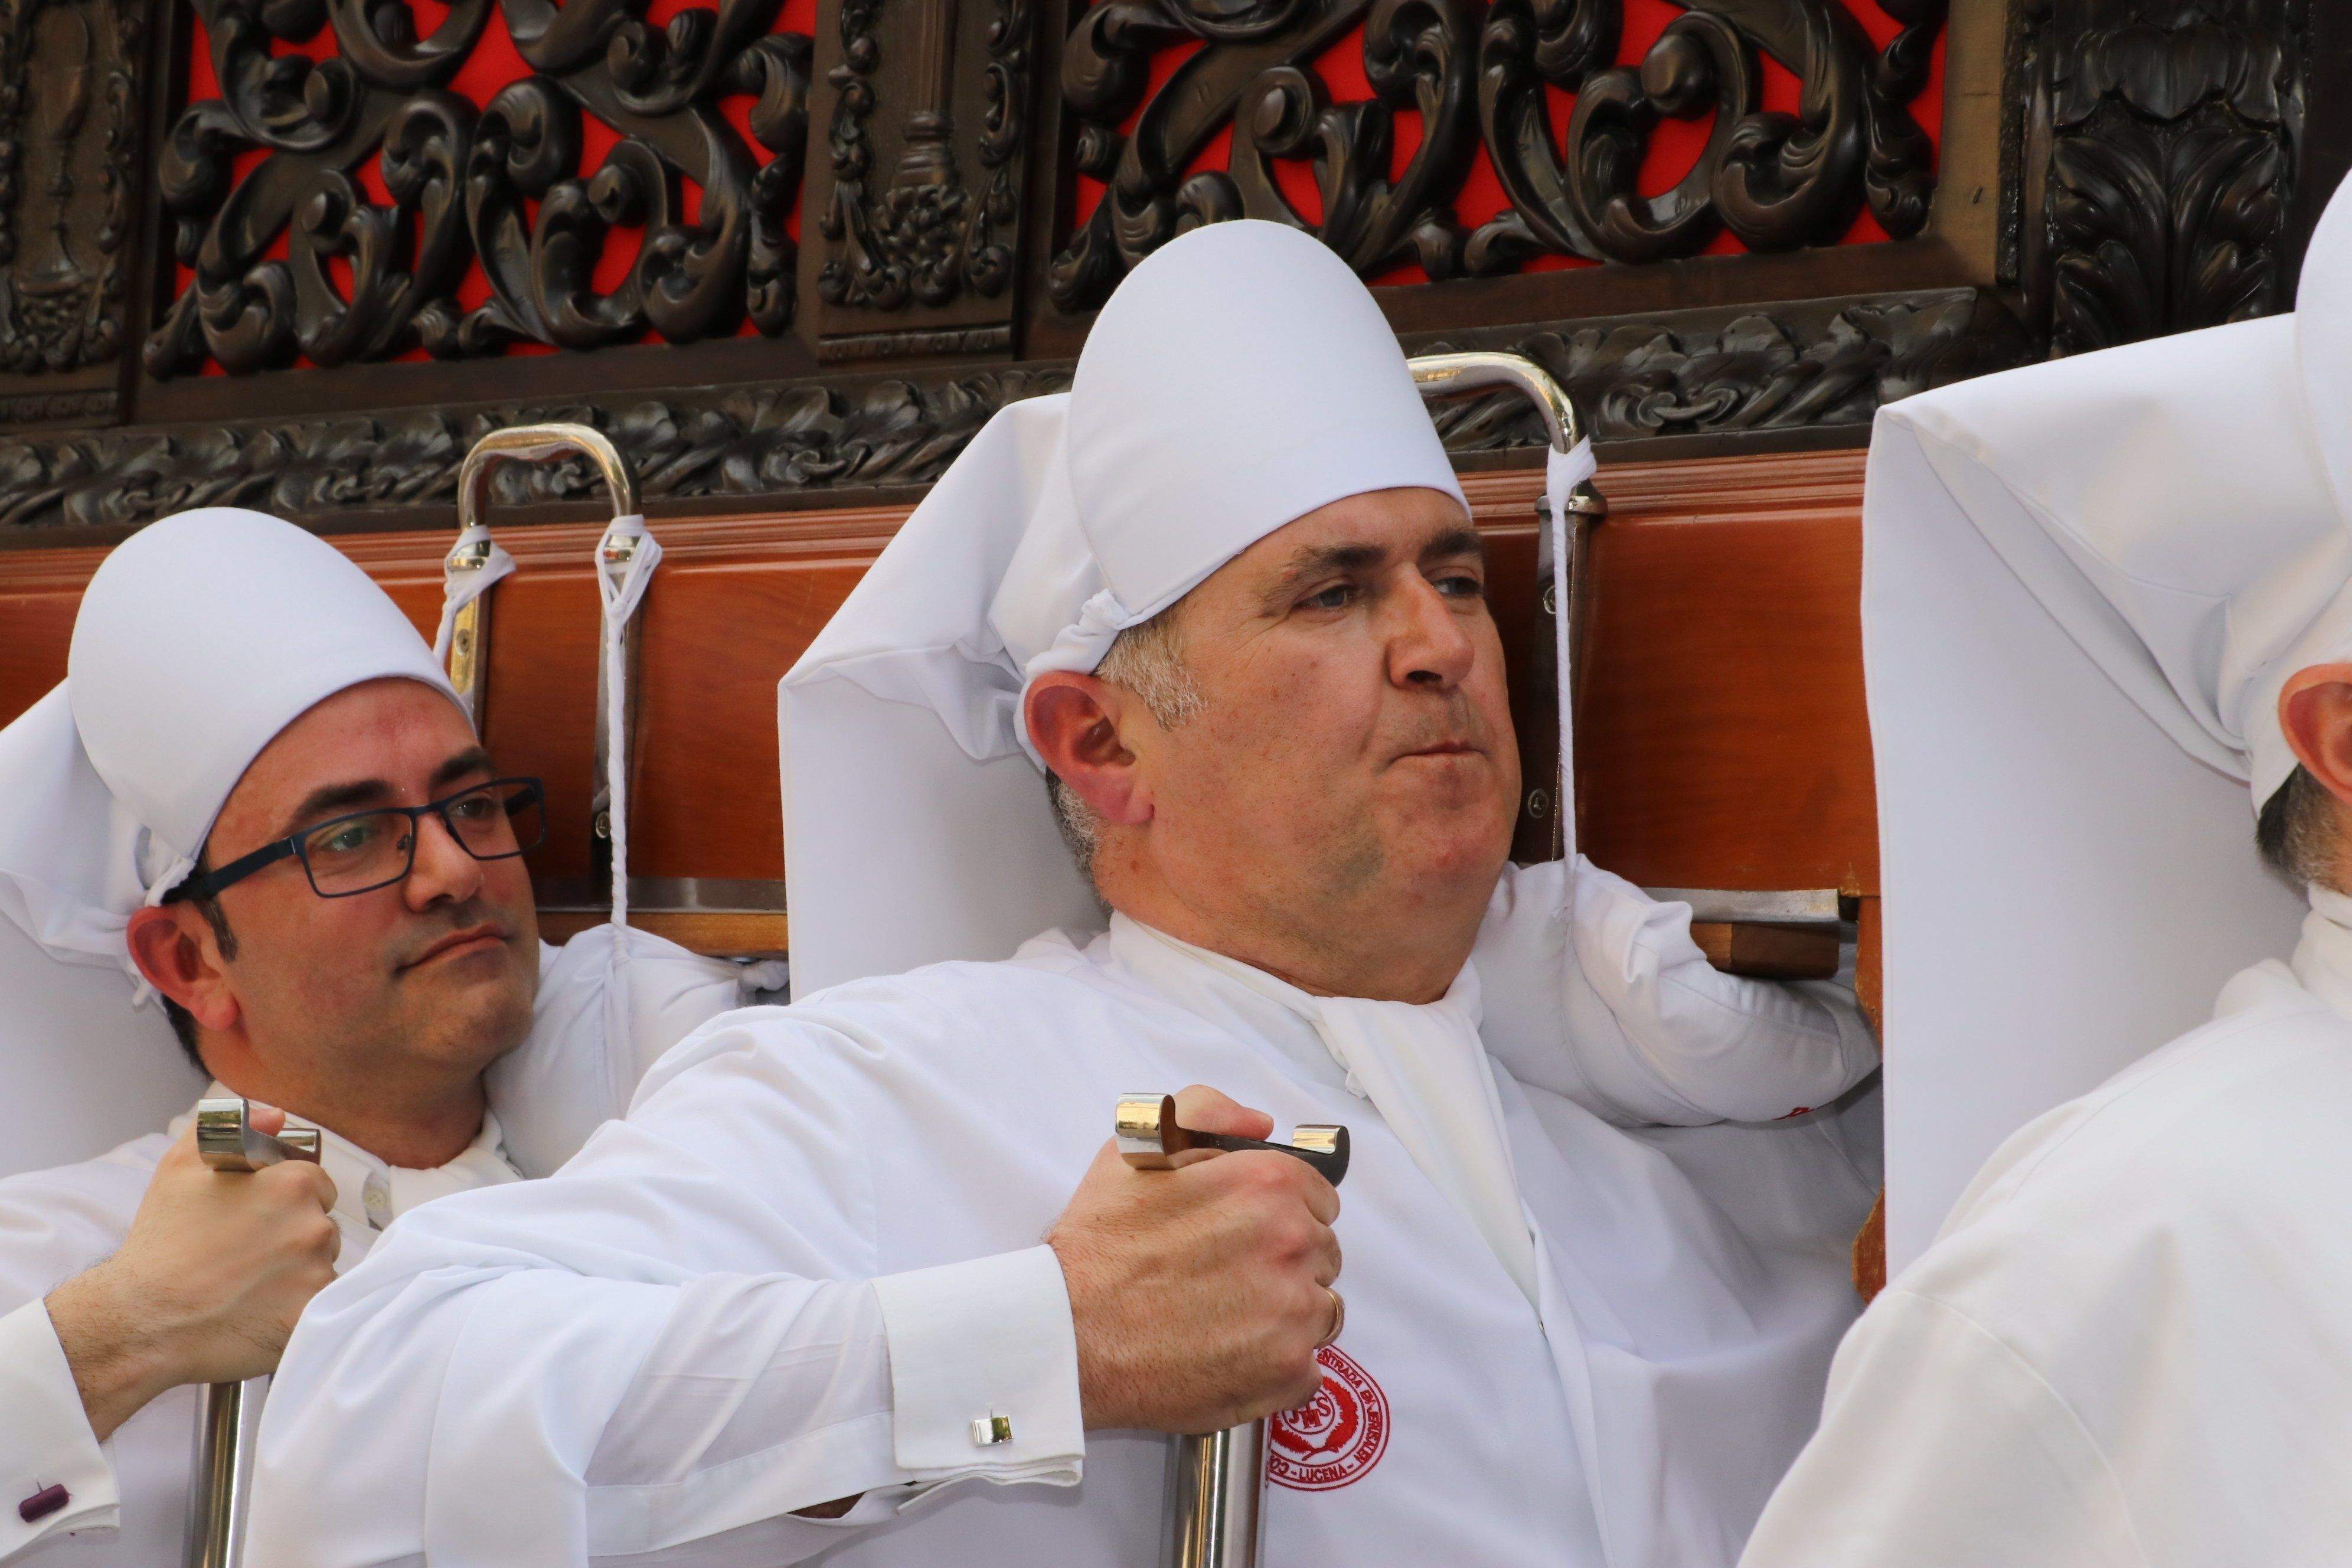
{"points": [[2105, 598], [256, 792], [1562, 1342]]}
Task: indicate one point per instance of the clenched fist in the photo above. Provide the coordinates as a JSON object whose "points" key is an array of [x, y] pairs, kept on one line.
{"points": [[1200, 1294], [207, 1287]]}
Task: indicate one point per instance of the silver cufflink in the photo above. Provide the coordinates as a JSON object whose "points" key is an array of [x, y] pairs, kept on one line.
{"points": [[990, 1430]]}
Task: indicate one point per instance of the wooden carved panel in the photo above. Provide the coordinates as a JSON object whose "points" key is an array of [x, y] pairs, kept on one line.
{"points": [[1723, 739], [785, 249], [726, 444], [70, 78], [2163, 147], [336, 208], [1815, 365], [1537, 90], [921, 216]]}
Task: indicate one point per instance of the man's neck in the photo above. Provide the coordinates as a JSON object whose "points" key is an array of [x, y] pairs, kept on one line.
{"points": [[1411, 952], [410, 1128]]}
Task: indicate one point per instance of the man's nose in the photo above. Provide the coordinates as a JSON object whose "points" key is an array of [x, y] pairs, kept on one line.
{"points": [[1430, 644], [442, 868]]}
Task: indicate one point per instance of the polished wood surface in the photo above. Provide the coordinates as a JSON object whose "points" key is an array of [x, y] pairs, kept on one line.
{"points": [[1722, 741]]}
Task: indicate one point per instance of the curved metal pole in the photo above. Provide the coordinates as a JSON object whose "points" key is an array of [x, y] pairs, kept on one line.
{"points": [[1456, 375], [469, 643], [469, 639], [1453, 375]]}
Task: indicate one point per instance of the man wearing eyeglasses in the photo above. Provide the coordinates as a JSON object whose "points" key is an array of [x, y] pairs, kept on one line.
{"points": [[308, 856], [256, 795]]}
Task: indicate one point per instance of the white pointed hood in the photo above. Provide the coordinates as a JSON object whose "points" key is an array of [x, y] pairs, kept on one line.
{"points": [[1240, 377], [2085, 583]]}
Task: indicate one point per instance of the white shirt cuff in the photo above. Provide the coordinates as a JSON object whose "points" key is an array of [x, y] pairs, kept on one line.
{"points": [[984, 1371], [45, 1441]]}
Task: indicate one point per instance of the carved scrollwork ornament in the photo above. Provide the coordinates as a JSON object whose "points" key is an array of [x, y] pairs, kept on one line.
{"points": [[923, 233], [1483, 74], [754, 440], [500, 187]]}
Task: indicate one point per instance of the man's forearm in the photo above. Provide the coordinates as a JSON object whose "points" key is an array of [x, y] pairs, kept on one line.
{"points": [[118, 1366]]}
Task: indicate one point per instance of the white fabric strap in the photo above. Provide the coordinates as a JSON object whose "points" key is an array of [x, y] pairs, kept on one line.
{"points": [[461, 586], [1426, 1070], [1563, 471], [620, 601]]}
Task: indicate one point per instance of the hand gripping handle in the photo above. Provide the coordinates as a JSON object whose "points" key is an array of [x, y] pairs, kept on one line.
{"points": [[1216, 1480], [226, 1141], [1149, 1137]]}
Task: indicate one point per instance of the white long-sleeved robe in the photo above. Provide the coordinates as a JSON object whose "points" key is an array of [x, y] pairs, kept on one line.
{"points": [[126, 1502], [2129, 1342], [586, 1368]]}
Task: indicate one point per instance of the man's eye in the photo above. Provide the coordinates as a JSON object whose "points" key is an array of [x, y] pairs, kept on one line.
{"points": [[474, 808], [1337, 596], [1461, 586], [348, 839]]}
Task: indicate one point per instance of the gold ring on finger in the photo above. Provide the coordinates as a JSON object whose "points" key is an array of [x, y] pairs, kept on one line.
{"points": [[1339, 1317]]}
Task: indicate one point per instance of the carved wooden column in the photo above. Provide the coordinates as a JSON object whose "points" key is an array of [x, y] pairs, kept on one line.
{"points": [[71, 97], [925, 106], [2163, 146]]}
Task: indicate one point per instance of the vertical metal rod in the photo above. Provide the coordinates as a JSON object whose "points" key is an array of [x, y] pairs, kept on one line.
{"points": [[228, 1415], [1215, 1501], [1216, 1498]]}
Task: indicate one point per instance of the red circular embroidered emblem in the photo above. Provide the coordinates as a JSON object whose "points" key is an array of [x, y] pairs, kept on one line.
{"points": [[1334, 1437]]}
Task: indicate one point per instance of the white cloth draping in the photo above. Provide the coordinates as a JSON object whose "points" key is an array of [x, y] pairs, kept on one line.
{"points": [[1426, 1070], [2128, 1345], [2084, 585]]}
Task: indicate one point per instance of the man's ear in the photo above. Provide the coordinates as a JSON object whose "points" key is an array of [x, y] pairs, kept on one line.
{"points": [[1075, 722], [175, 949]]}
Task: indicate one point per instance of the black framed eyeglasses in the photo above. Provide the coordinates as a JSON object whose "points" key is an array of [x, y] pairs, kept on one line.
{"points": [[370, 850]]}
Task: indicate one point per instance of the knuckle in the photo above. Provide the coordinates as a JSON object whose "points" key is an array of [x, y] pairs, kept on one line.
{"points": [[1267, 1171]]}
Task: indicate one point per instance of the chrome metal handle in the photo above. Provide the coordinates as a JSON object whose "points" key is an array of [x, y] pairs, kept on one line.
{"points": [[1148, 1138], [1457, 374], [536, 444], [228, 1140], [470, 636], [469, 644]]}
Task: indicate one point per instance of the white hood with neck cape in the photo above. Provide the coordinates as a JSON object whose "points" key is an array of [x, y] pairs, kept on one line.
{"points": [[2074, 673], [914, 811]]}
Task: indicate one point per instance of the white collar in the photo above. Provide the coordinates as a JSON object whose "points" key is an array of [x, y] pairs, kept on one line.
{"points": [[1227, 991], [2323, 958], [1422, 1067], [370, 1193]]}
